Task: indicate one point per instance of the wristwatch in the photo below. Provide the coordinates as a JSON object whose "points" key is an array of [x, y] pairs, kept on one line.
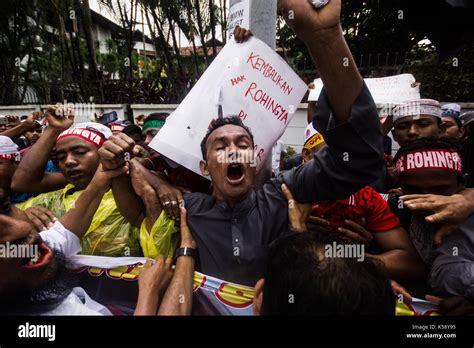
{"points": [[186, 251]]}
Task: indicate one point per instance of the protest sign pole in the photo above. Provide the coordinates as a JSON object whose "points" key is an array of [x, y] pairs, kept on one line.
{"points": [[262, 23]]}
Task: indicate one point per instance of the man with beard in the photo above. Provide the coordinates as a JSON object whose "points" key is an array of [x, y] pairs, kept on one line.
{"points": [[234, 226], [42, 284], [110, 234]]}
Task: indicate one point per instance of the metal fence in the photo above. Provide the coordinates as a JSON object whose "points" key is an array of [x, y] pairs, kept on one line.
{"points": [[172, 89]]}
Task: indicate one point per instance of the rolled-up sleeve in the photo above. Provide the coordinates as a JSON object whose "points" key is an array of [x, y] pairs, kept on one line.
{"points": [[352, 159]]}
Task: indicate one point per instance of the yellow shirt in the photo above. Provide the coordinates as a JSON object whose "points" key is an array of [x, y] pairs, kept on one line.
{"points": [[109, 234]]}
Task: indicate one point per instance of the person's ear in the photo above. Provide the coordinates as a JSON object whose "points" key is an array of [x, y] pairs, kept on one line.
{"points": [[306, 154], [203, 167], [258, 297]]}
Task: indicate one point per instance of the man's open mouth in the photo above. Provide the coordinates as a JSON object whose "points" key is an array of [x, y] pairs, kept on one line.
{"points": [[235, 173], [40, 254]]}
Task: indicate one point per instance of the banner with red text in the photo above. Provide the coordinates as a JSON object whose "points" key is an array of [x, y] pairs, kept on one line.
{"points": [[248, 80], [112, 281]]}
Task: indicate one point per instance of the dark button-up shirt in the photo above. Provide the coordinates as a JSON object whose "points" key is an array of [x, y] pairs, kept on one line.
{"points": [[233, 243]]}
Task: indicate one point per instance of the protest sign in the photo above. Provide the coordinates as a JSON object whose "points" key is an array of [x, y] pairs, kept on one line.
{"points": [[248, 80], [239, 15], [384, 90]]}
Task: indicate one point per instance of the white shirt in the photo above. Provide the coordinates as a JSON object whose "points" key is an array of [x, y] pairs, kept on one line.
{"points": [[77, 302], [277, 149]]}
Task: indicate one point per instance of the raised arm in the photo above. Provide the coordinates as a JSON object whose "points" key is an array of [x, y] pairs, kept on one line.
{"points": [[30, 176], [152, 283], [117, 150], [78, 219], [23, 127], [399, 255], [152, 208], [321, 32], [346, 114], [178, 298]]}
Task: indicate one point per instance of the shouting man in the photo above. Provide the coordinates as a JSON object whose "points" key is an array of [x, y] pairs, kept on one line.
{"points": [[234, 226]]}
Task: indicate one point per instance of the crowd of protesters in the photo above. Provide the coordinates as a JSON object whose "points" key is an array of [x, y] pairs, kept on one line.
{"points": [[100, 189]]}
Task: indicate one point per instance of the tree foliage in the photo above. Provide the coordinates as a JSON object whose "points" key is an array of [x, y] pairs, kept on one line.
{"points": [[49, 54]]}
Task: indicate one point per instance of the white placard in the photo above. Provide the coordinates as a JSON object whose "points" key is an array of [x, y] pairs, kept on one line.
{"points": [[393, 89], [247, 79], [239, 14]]}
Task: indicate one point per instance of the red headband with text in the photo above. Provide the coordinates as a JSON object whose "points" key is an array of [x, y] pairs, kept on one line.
{"points": [[90, 135], [7, 157], [429, 159]]}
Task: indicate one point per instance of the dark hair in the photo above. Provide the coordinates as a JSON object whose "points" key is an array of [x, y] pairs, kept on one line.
{"points": [[132, 129], [160, 116], [219, 122], [428, 143], [320, 285]]}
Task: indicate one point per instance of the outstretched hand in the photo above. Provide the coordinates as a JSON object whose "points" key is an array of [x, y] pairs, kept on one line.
{"points": [[153, 281], [41, 218], [155, 277], [298, 213], [356, 233], [451, 211]]}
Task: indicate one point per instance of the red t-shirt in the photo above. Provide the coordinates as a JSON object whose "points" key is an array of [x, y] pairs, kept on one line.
{"points": [[366, 203]]}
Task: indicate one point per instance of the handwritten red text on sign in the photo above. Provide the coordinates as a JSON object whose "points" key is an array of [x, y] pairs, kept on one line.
{"points": [[268, 71], [267, 102]]}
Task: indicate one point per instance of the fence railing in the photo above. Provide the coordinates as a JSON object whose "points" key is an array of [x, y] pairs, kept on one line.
{"points": [[172, 89]]}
